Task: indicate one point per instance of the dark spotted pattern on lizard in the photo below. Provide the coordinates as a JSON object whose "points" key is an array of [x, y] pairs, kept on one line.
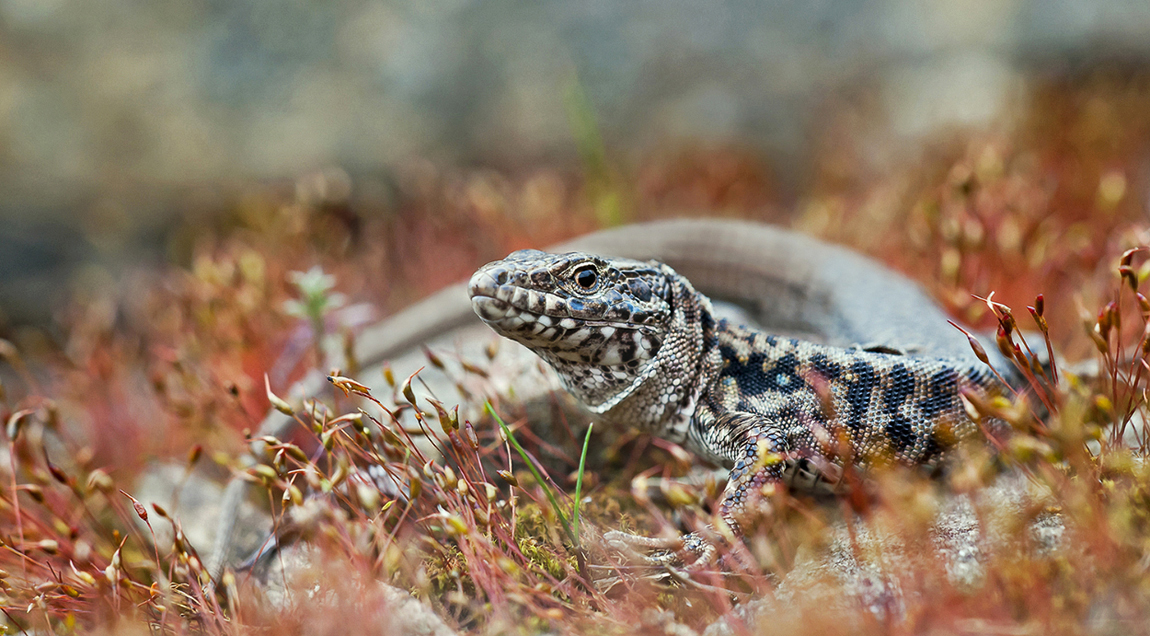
{"points": [[635, 343]]}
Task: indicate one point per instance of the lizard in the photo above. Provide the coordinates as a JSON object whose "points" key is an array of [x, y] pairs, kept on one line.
{"points": [[785, 280], [637, 345]]}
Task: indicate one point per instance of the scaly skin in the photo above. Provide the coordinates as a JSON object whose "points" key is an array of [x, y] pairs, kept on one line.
{"points": [[635, 343]]}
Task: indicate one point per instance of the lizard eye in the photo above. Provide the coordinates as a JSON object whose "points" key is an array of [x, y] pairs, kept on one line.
{"points": [[586, 277]]}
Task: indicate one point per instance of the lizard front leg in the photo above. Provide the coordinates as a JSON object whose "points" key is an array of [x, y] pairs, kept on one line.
{"points": [[757, 452]]}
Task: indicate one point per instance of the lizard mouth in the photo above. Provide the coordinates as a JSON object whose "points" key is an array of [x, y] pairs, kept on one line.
{"points": [[491, 296], [565, 330], [496, 299], [489, 308], [511, 308]]}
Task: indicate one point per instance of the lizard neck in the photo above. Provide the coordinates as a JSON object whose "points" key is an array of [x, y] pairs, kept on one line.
{"points": [[663, 398]]}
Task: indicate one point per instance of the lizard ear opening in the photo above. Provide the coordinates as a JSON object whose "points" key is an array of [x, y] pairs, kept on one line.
{"points": [[640, 289]]}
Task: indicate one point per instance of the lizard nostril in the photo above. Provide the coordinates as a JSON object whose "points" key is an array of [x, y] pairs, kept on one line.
{"points": [[501, 277]]}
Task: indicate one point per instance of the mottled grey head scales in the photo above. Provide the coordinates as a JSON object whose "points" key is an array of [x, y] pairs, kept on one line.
{"points": [[607, 326]]}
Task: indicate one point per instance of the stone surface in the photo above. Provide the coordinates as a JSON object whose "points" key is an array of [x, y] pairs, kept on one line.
{"points": [[301, 578], [194, 499], [869, 578]]}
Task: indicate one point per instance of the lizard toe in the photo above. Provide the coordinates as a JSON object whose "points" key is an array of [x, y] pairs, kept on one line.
{"points": [[691, 551]]}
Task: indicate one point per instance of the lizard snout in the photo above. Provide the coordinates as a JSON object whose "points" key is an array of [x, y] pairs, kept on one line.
{"points": [[484, 291], [488, 279]]}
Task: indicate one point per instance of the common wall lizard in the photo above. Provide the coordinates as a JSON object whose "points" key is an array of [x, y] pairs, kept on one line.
{"points": [[636, 344]]}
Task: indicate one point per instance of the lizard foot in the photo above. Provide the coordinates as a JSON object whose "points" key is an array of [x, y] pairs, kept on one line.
{"points": [[665, 552]]}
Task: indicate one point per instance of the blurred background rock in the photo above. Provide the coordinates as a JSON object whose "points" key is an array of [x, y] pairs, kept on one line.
{"points": [[121, 118]]}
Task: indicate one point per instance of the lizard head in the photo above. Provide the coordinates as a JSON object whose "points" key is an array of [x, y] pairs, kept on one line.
{"points": [[600, 322]]}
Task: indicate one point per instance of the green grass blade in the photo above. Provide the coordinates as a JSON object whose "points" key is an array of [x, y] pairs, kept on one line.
{"points": [[538, 476], [579, 480]]}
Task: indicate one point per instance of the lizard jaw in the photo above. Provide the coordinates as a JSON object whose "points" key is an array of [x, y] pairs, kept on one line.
{"points": [[501, 305], [490, 309]]}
